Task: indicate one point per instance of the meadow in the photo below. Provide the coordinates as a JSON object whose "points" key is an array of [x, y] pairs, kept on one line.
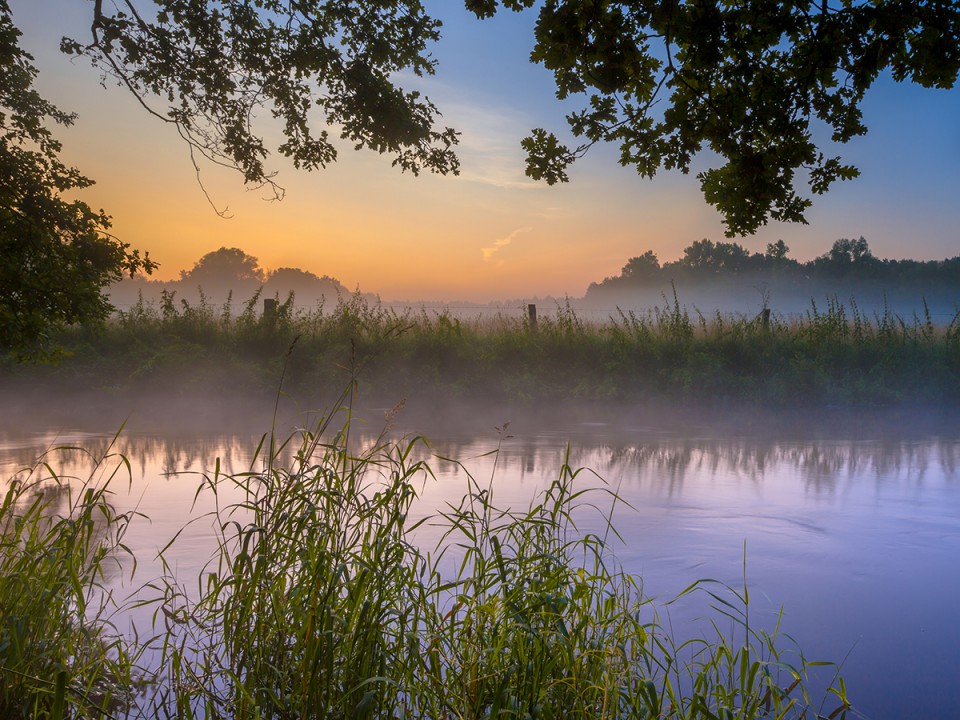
{"points": [[833, 355]]}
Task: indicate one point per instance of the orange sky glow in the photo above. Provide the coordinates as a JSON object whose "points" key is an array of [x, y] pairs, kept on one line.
{"points": [[488, 234]]}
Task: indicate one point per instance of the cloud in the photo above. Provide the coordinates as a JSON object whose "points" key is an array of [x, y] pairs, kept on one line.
{"points": [[552, 213], [489, 252], [490, 134]]}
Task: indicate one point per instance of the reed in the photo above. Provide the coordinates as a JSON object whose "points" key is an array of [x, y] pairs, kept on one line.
{"points": [[59, 654], [322, 603], [833, 355]]}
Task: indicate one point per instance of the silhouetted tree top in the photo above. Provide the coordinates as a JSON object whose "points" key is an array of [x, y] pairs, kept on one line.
{"points": [[715, 257], [295, 276], [642, 266], [847, 252], [777, 251], [224, 268], [705, 260], [304, 283], [210, 67], [662, 80], [55, 254]]}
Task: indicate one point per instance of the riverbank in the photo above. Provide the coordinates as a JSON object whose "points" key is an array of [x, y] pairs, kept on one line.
{"points": [[832, 357]]}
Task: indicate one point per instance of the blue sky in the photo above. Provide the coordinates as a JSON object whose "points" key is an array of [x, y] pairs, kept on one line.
{"points": [[491, 233]]}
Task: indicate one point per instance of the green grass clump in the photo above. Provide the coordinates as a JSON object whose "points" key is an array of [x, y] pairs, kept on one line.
{"points": [[59, 655], [321, 602], [324, 600], [835, 355]]}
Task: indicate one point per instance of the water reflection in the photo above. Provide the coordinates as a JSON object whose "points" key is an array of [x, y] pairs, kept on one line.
{"points": [[660, 466], [665, 466], [858, 538]]}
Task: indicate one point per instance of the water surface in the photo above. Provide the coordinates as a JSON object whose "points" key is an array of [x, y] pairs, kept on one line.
{"points": [[853, 528]]}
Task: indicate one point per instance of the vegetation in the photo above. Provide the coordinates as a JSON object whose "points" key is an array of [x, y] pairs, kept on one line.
{"points": [[321, 603], [744, 83], [847, 259], [748, 82], [56, 255], [726, 274], [225, 273], [834, 355], [59, 655]]}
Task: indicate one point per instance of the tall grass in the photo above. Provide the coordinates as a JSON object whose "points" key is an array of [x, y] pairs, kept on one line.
{"points": [[321, 602], [59, 654], [835, 354]]}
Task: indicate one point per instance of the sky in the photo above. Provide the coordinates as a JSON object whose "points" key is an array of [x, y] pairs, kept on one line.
{"points": [[491, 233]]}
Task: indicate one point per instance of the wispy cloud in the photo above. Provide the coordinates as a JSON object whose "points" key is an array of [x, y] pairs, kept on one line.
{"points": [[499, 243], [490, 133], [490, 151]]}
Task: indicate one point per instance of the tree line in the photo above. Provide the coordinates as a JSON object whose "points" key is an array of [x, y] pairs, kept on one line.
{"points": [[229, 274], [846, 260], [727, 276]]}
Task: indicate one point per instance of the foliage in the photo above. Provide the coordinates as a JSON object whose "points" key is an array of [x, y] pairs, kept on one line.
{"points": [[642, 266], [324, 600], [747, 81], [321, 603], [55, 255], [227, 266], [848, 252], [211, 67], [663, 81], [847, 258], [835, 354], [58, 655], [778, 251], [715, 257]]}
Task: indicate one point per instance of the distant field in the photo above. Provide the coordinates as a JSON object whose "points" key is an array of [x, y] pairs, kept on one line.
{"points": [[833, 355]]}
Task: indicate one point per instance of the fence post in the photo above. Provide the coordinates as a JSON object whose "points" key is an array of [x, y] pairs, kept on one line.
{"points": [[532, 316], [269, 309], [765, 319]]}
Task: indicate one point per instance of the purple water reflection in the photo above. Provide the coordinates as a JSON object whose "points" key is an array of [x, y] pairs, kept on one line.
{"points": [[858, 540]]}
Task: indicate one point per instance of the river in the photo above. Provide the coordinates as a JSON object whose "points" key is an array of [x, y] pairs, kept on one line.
{"points": [[851, 524]]}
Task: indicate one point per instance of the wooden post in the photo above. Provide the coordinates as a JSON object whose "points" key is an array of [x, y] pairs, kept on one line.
{"points": [[532, 316], [765, 319], [269, 309]]}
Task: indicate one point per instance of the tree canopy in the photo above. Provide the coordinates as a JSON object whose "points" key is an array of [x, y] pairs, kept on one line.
{"points": [[55, 254], [745, 80], [210, 67], [847, 259], [225, 267], [665, 81]]}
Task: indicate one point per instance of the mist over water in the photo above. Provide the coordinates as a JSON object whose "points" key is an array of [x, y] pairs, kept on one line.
{"points": [[849, 521]]}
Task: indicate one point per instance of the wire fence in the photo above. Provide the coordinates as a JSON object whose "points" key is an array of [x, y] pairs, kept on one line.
{"points": [[552, 310]]}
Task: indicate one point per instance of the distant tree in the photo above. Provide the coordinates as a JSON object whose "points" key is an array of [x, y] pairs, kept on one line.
{"points": [[642, 266], [715, 257], [848, 267], [56, 255], [777, 251], [224, 268], [849, 252], [307, 286], [293, 277]]}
